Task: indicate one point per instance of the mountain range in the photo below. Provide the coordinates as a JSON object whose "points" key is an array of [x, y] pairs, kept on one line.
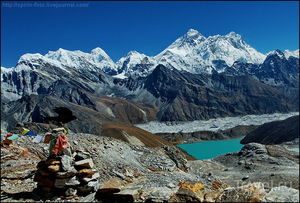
{"points": [[191, 52], [196, 77]]}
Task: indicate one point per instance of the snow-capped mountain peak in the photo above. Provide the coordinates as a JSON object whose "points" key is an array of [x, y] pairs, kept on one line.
{"points": [[191, 38], [195, 53], [96, 60], [135, 64], [99, 51], [191, 52], [131, 56], [29, 57], [31, 61], [193, 33], [134, 53], [233, 35], [289, 53], [277, 52]]}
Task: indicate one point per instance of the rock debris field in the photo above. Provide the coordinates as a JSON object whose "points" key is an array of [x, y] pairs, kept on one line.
{"points": [[103, 168]]}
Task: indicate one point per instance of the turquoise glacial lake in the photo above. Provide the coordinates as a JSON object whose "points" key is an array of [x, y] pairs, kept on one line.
{"points": [[211, 149]]}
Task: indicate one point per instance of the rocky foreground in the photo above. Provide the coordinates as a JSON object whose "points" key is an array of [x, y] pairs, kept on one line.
{"points": [[130, 173]]}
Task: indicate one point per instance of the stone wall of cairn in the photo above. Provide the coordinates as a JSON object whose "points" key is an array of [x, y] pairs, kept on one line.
{"points": [[67, 176]]}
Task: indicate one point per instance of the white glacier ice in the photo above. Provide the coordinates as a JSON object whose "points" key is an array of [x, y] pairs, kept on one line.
{"points": [[215, 124]]}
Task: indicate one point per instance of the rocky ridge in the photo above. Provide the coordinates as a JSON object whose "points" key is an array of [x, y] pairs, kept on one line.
{"points": [[276, 132]]}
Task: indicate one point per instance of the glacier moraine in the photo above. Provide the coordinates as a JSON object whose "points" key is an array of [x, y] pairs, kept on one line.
{"points": [[214, 124]]}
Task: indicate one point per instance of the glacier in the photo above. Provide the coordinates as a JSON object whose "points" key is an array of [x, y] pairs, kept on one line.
{"points": [[215, 124]]}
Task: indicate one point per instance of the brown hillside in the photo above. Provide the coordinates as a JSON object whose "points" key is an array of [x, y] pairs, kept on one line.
{"points": [[129, 112], [147, 138]]}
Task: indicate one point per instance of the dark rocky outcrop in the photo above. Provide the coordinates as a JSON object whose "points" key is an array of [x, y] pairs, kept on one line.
{"points": [[64, 116], [187, 96], [275, 132]]}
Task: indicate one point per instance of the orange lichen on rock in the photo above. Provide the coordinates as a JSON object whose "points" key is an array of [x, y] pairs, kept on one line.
{"points": [[218, 185], [85, 172], [52, 162], [191, 186], [54, 168]]}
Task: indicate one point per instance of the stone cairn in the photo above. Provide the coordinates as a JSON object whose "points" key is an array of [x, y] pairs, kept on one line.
{"points": [[67, 175]]}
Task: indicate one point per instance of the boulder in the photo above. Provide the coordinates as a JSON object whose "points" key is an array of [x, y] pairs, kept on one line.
{"points": [[128, 194], [61, 183], [113, 185], [81, 155], [86, 163], [91, 186], [70, 192], [159, 194], [253, 148], [66, 163], [94, 177], [184, 195], [88, 198]]}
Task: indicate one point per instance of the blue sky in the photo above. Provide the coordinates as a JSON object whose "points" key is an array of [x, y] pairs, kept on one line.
{"points": [[148, 27]]}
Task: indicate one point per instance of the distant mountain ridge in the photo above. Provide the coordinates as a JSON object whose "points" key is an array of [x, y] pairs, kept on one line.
{"points": [[191, 52]]}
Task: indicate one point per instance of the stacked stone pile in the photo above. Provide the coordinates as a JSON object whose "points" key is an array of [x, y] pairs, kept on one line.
{"points": [[67, 176]]}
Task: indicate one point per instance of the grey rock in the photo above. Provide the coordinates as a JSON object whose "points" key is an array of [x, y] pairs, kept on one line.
{"points": [[87, 163], [120, 175], [282, 194], [70, 191], [73, 182], [177, 156], [88, 198], [245, 178], [61, 183], [133, 192], [244, 193], [253, 148], [81, 155], [66, 162], [161, 194], [95, 176], [66, 174], [91, 186], [171, 185]]}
